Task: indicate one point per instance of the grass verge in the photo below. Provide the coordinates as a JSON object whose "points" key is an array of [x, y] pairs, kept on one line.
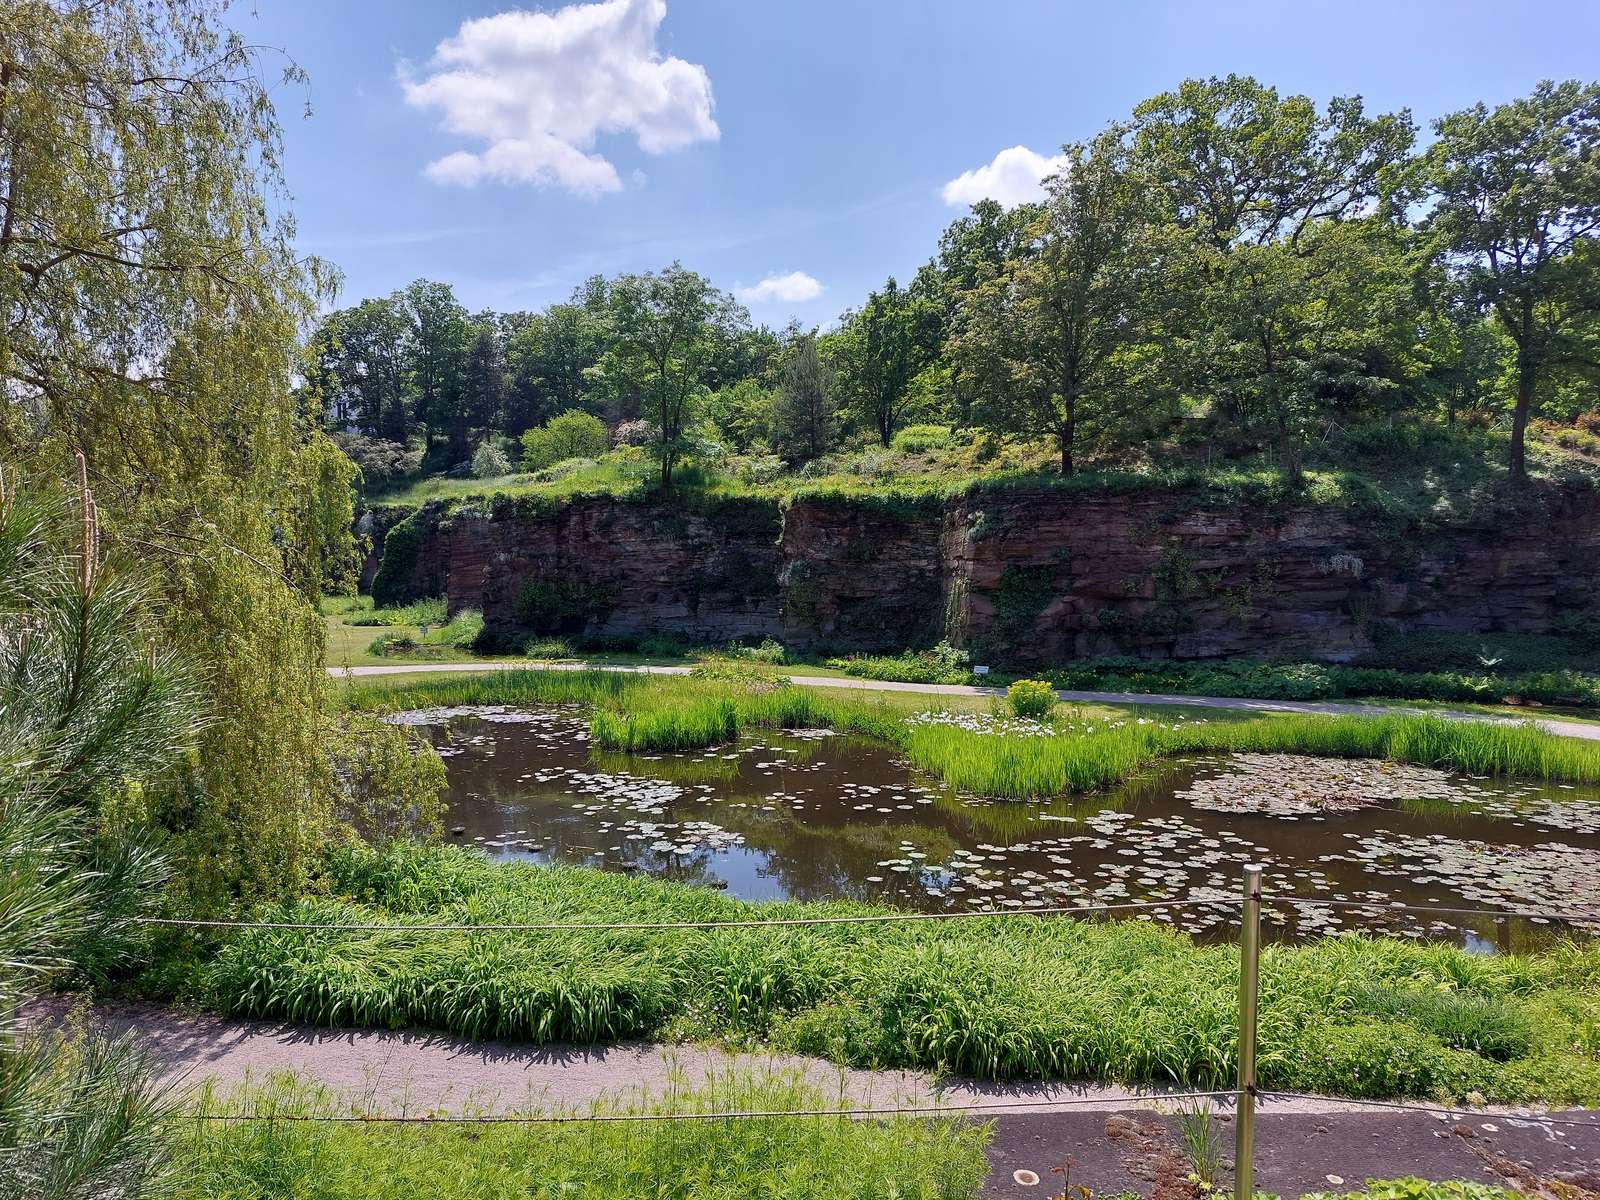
{"points": [[818, 1158], [996, 997]]}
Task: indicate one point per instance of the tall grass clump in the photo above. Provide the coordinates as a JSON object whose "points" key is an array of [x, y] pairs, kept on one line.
{"points": [[1027, 767], [531, 686], [1004, 996], [1475, 747], [816, 1158]]}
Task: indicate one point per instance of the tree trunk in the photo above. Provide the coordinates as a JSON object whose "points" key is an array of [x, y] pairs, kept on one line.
{"points": [[1288, 453], [1519, 422], [666, 471]]}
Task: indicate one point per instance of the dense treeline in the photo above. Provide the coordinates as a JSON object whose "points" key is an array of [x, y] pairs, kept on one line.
{"points": [[1226, 260]]}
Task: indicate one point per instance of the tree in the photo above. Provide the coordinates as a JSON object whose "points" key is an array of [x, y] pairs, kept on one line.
{"points": [[360, 369], [803, 423], [96, 714], [483, 380], [572, 434], [152, 298], [551, 360], [668, 331], [878, 350], [1516, 193], [435, 354], [1053, 338], [1253, 185]]}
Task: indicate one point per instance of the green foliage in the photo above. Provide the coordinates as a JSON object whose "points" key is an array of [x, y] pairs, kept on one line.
{"points": [[490, 462], [429, 611], [1323, 681], [944, 663], [807, 1159], [572, 434], [919, 439], [1517, 200], [96, 715], [173, 364], [562, 605], [804, 424], [1032, 698], [995, 997], [392, 584], [1485, 1026], [1420, 1189]]}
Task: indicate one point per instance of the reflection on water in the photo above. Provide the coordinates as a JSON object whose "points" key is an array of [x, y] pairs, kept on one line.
{"points": [[813, 816]]}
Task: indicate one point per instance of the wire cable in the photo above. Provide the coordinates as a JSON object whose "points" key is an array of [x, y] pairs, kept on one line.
{"points": [[739, 1115], [635, 926]]}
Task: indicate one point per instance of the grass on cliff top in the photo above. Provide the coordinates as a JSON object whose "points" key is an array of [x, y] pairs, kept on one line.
{"points": [[1073, 753], [805, 1159], [1005, 996]]}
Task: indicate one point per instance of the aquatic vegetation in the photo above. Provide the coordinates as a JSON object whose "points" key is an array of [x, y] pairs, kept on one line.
{"points": [[986, 995], [1031, 698], [810, 1159], [1015, 759]]}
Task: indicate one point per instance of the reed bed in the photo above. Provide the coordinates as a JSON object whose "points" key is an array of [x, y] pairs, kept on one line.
{"points": [[634, 713], [808, 1159], [996, 997]]}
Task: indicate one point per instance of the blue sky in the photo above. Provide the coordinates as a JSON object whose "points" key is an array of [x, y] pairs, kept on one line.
{"points": [[808, 143]]}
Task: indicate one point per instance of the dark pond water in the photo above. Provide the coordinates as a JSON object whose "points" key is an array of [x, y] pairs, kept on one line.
{"points": [[815, 816]]}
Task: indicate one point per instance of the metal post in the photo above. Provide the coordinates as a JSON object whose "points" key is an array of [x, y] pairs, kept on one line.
{"points": [[1244, 1183]]}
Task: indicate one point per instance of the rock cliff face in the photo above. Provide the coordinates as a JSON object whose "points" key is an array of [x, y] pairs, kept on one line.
{"points": [[1019, 576], [600, 567]]}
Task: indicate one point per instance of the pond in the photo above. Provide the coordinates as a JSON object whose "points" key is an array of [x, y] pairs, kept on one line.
{"points": [[814, 816]]}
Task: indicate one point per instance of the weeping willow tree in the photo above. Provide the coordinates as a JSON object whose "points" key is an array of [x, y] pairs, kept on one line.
{"points": [[152, 300]]}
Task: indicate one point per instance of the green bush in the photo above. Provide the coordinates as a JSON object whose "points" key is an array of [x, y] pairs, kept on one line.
{"points": [[769, 651], [571, 434], [393, 580], [1031, 698], [490, 462], [942, 664], [548, 648], [661, 645], [919, 439]]}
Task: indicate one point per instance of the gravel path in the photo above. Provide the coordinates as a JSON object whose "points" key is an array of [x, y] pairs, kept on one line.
{"points": [[1573, 729]]}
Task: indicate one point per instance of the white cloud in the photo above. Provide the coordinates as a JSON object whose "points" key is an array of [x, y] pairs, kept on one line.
{"points": [[791, 289], [1013, 177], [538, 87]]}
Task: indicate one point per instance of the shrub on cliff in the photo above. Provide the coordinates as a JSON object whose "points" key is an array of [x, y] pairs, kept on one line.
{"points": [[392, 584], [572, 434], [490, 462]]}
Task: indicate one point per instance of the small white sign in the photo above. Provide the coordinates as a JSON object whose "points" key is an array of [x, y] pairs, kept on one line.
{"points": [[980, 670]]}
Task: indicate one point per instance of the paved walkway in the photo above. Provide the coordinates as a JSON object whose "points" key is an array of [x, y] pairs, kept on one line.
{"points": [[1120, 1139], [1573, 729]]}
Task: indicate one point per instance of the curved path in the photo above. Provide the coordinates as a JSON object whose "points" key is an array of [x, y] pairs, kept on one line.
{"points": [[1121, 1139], [1573, 729]]}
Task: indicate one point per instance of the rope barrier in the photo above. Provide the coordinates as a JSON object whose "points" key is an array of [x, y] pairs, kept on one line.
{"points": [[1437, 1110], [1569, 917], [739, 1115], [583, 927], [1397, 906]]}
